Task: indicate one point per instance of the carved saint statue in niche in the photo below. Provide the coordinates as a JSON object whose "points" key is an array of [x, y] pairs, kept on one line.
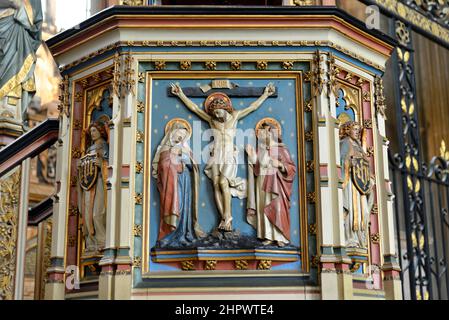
{"points": [[92, 175], [358, 195], [222, 165], [271, 174], [177, 178]]}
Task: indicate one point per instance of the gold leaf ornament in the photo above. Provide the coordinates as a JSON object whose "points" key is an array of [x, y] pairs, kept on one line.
{"points": [[444, 153]]}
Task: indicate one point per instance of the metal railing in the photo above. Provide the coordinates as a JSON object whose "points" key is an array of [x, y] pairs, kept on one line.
{"points": [[423, 259]]}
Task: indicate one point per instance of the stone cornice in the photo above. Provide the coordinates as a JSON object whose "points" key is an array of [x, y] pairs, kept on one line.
{"points": [[220, 17]]}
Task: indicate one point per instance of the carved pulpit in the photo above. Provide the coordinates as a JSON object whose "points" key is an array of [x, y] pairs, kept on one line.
{"points": [[220, 150]]}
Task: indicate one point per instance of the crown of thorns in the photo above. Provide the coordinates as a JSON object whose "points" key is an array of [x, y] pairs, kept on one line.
{"points": [[217, 101]]}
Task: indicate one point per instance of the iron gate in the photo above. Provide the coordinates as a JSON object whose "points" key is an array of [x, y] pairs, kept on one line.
{"points": [[422, 227], [421, 189]]}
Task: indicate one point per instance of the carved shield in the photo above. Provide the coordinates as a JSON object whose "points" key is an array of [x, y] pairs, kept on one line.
{"points": [[88, 171], [360, 174]]}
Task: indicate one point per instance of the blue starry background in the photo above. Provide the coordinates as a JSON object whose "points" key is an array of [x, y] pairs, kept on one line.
{"points": [[341, 106], [282, 108], [105, 108]]}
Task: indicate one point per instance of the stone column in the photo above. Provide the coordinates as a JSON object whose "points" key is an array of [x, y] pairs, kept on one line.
{"points": [[390, 268], [336, 279], [123, 261], [115, 278], [107, 263], [22, 225], [55, 285]]}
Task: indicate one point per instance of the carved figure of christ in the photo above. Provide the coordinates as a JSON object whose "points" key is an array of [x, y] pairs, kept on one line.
{"points": [[222, 165]]}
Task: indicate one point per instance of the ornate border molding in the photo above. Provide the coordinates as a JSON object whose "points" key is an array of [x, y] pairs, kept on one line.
{"points": [[230, 43], [173, 64]]}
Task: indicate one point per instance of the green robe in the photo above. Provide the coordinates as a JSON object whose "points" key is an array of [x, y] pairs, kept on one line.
{"points": [[20, 37]]}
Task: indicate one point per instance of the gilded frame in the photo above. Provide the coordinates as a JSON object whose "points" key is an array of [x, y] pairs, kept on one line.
{"points": [[290, 74]]}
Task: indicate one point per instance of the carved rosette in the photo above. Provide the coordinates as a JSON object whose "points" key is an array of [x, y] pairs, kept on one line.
{"points": [[9, 207]]}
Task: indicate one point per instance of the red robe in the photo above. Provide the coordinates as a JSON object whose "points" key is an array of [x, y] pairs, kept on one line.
{"points": [[167, 184], [280, 184]]}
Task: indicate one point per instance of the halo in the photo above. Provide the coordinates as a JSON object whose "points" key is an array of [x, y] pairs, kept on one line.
{"points": [[344, 117], [271, 121], [214, 96], [178, 120]]}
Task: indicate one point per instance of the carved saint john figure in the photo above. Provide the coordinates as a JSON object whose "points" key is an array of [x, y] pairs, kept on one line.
{"points": [[177, 178], [270, 182], [358, 197], [222, 165], [92, 175]]}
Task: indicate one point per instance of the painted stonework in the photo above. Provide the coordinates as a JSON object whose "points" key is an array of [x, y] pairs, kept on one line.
{"points": [[92, 188], [177, 181], [249, 198], [267, 191], [358, 197], [222, 165], [271, 176], [264, 200]]}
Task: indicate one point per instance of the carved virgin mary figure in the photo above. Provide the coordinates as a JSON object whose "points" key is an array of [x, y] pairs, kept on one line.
{"points": [[271, 175], [358, 197], [92, 175], [20, 37], [177, 178]]}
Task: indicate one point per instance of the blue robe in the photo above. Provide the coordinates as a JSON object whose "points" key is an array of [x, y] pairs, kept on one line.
{"points": [[184, 235]]}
